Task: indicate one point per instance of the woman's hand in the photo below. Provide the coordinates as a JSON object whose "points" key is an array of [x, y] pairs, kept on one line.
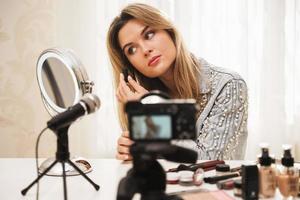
{"points": [[124, 93], [123, 147]]}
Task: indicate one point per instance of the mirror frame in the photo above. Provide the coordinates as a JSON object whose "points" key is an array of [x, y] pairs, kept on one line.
{"points": [[80, 79]]}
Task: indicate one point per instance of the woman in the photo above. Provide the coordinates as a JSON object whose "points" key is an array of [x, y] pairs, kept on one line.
{"points": [[146, 43]]}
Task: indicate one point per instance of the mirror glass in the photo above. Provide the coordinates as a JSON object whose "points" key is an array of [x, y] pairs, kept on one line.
{"points": [[58, 82]]}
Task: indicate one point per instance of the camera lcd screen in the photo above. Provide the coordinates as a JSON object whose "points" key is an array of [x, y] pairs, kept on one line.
{"points": [[157, 127]]}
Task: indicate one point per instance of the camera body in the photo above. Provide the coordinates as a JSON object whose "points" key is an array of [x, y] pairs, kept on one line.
{"points": [[162, 121]]}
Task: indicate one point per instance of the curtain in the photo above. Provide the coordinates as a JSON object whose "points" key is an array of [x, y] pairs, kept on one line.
{"points": [[260, 39]]}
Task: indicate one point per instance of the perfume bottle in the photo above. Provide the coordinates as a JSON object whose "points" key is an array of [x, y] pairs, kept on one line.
{"points": [[267, 173], [288, 178]]}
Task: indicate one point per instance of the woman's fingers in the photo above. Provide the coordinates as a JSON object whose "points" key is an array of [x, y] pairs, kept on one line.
{"points": [[125, 141], [124, 93], [123, 149], [120, 96], [124, 144], [124, 157], [124, 85], [137, 87], [125, 134]]}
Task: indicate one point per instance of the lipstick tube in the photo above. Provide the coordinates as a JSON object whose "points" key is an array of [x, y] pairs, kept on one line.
{"points": [[206, 166], [214, 179]]}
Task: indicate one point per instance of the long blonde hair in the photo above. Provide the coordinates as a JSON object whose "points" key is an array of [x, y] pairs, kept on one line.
{"points": [[186, 67]]}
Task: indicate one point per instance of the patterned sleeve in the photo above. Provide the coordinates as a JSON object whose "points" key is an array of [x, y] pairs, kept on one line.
{"points": [[223, 133]]}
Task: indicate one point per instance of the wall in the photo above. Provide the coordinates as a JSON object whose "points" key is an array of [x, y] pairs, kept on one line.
{"points": [[27, 28]]}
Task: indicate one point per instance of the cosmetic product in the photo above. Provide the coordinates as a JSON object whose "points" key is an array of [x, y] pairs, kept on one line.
{"points": [[198, 177], [237, 188], [267, 174], [236, 169], [215, 179], [222, 169], [288, 178], [249, 182], [225, 184], [208, 165], [172, 177], [186, 178]]}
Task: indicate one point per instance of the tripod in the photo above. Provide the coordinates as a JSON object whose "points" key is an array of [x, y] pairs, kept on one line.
{"points": [[62, 156], [147, 176], [149, 181]]}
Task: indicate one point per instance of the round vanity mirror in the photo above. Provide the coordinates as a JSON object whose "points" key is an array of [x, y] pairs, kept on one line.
{"points": [[62, 81]]}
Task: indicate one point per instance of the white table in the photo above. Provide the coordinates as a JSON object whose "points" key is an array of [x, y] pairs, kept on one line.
{"points": [[16, 174]]}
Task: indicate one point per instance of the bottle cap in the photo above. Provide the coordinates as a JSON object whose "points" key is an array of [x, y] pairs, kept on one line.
{"points": [[287, 160], [265, 159], [273, 158]]}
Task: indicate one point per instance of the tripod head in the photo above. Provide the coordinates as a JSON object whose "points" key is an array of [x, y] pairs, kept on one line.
{"points": [[147, 176]]}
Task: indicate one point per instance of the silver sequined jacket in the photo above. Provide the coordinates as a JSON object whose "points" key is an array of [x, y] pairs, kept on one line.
{"points": [[222, 124]]}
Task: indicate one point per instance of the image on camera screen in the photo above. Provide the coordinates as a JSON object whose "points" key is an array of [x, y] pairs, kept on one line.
{"points": [[151, 127]]}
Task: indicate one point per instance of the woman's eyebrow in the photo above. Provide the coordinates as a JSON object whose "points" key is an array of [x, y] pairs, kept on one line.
{"points": [[143, 31]]}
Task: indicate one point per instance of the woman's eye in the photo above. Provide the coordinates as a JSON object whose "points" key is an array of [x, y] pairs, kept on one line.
{"points": [[131, 50], [149, 35]]}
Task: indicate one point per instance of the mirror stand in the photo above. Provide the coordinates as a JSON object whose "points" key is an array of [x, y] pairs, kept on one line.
{"points": [[62, 156], [62, 80], [80, 162]]}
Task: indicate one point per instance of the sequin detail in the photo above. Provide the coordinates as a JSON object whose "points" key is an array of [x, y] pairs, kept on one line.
{"points": [[223, 133]]}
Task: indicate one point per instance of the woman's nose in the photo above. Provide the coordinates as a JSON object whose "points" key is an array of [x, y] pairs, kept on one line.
{"points": [[147, 52], [146, 49]]}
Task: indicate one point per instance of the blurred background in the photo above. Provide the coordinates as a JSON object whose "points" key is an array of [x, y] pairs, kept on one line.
{"points": [[260, 39]]}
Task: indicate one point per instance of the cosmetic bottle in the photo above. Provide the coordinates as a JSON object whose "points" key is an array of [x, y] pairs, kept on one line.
{"points": [[250, 182], [288, 178], [267, 173]]}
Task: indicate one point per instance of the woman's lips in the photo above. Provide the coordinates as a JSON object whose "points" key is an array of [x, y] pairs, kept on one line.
{"points": [[154, 60]]}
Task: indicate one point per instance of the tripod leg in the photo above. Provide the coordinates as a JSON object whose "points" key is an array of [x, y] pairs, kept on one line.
{"points": [[128, 186], [83, 174], [64, 181], [24, 191]]}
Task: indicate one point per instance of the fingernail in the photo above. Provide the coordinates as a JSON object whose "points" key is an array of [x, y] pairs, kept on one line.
{"points": [[129, 77], [126, 157]]}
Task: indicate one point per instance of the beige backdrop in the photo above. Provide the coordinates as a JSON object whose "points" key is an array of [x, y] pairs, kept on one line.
{"points": [[26, 28]]}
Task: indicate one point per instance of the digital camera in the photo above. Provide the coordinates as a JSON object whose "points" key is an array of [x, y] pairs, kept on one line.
{"points": [[162, 121]]}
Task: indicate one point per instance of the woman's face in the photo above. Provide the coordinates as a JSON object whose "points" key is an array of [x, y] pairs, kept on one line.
{"points": [[152, 52]]}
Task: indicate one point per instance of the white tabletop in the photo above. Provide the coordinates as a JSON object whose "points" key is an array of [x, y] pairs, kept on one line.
{"points": [[16, 174]]}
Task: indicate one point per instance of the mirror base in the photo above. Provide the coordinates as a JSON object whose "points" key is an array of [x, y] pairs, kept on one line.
{"points": [[82, 163]]}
